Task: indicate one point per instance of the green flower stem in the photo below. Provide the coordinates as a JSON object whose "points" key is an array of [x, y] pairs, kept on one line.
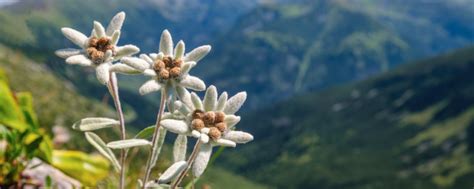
{"points": [[155, 136], [191, 159], [113, 89]]}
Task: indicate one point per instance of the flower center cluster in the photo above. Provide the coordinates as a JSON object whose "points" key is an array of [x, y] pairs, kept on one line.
{"points": [[167, 68], [97, 48], [212, 120]]}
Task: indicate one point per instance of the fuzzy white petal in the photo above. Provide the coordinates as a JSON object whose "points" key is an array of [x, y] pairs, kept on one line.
{"points": [[116, 23], [149, 72], [124, 69], [202, 159], [234, 103], [226, 143], [79, 60], [210, 98], [136, 63], [74, 36], [197, 53], [221, 102], [65, 53], [196, 134], [115, 37], [193, 83], [103, 73], [183, 108], [204, 138], [196, 101], [108, 56], [99, 29], [179, 50], [184, 96], [166, 43], [205, 130], [146, 58], [238, 136], [126, 50], [149, 86], [175, 126], [186, 67], [231, 120]]}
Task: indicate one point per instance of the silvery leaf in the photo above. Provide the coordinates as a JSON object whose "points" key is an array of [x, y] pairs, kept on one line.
{"points": [[146, 132], [102, 148], [210, 98], [157, 147], [166, 43], [116, 23], [74, 36], [179, 148], [198, 53], [172, 172], [234, 103], [94, 123], [202, 160], [128, 143]]}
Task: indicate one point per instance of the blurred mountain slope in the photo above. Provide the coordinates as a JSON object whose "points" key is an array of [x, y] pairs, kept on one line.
{"points": [[412, 127], [276, 51]]}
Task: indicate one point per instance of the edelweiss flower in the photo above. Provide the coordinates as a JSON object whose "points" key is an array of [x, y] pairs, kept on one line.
{"points": [[212, 120], [100, 49], [169, 69]]}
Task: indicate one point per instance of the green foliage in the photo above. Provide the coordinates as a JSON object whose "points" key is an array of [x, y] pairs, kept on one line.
{"points": [[21, 137], [88, 169]]}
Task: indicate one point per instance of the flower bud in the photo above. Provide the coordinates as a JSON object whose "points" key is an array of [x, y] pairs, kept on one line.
{"points": [[209, 117], [222, 126], [220, 117], [174, 72], [164, 74], [197, 124], [214, 133]]}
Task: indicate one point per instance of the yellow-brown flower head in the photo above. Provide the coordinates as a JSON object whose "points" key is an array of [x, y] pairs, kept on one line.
{"points": [[97, 48], [170, 65], [212, 120], [214, 133], [197, 124]]}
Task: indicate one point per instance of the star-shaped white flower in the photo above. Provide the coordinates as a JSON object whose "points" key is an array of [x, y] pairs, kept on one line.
{"points": [[212, 120], [169, 68], [100, 49]]}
